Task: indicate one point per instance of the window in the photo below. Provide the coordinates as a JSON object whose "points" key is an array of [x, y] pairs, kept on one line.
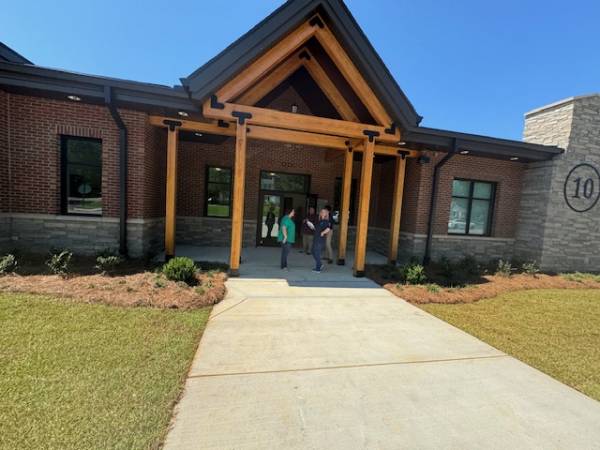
{"points": [[471, 208], [218, 192], [286, 182], [81, 167]]}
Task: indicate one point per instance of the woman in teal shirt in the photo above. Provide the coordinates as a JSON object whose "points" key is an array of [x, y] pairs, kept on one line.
{"points": [[287, 236]]}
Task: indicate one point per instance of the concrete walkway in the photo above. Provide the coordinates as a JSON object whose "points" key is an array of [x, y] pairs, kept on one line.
{"points": [[336, 362]]}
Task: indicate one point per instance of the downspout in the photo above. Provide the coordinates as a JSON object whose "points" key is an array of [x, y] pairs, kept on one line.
{"points": [[108, 99], [433, 201]]}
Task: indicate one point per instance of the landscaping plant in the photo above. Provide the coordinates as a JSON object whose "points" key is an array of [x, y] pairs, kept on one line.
{"points": [[8, 264], [415, 274], [108, 263], [59, 262], [530, 268], [504, 268], [180, 269]]}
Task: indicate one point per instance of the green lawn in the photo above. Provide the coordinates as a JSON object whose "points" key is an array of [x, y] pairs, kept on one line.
{"points": [[79, 376], [556, 331]]}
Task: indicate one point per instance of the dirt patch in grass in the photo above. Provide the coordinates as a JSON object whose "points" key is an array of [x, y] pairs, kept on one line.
{"points": [[488, 286], [139, 289]]}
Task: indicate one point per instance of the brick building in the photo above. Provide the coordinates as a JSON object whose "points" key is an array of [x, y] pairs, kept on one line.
{"points": [[84, 160]]}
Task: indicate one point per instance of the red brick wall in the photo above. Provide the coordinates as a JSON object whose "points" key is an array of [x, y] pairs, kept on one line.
{"points": [[4, 172], [507, 174], [36, 127]]}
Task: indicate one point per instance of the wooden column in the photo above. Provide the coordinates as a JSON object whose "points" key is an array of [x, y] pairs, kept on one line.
{"points": [[345, 206], [363, 208], [171, 194], [239, 181], [397, 209]]}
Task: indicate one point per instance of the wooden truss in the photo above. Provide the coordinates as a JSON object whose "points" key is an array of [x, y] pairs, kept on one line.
{"points": [[233, 113]]}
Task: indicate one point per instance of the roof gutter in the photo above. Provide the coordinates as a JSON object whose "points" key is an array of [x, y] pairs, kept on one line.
{"points": [[114, 112], [433, 201]]}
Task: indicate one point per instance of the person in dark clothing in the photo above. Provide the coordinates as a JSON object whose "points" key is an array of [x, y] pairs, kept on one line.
{"points": [[308, 230], [321, 230], [270, 222], [329, 237]]}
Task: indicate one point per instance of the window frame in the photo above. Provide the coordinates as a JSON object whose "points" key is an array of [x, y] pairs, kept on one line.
{"points": [[64, 163], [207, 182], [306, 176], [470, 198]]}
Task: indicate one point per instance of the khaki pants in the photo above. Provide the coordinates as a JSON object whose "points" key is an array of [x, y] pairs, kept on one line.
{"points": [[307, 242], [328, 248]]}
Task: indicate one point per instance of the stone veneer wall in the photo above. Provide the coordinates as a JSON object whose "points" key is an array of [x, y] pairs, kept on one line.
{"points": [[549, 231], [211, 232], [39, 233]]}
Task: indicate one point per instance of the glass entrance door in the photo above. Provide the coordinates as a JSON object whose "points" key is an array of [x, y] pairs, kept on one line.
{"points": [[270, 215]]}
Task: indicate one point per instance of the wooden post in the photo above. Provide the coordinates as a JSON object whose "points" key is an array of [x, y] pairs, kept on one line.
{"points": [[171, 194], [239, 181], [397, 209], [345, 206], [363, 209]]}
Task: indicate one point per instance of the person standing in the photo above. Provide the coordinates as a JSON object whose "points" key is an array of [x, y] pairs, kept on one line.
{"points": [[270, 222], [287, 236], [308, 230], [329, 237], [321, 231]]}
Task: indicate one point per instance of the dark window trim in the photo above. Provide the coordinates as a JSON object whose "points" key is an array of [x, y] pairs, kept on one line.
{"points": [[306, 175], [207, 182], [470, 198], [64, 201]]}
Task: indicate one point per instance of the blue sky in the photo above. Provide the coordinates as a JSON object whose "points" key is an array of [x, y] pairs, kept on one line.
{"points": [[473, 66]]}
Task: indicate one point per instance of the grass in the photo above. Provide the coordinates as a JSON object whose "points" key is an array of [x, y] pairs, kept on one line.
{"points": [[83, 376], [555, 330]]}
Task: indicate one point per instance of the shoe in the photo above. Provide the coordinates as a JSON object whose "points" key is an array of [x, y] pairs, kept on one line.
{"points": [[285, 269], [316, 271]]}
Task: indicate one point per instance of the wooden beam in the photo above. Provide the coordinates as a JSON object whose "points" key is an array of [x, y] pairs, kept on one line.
{"points": [[299, 122], [362, 230], [273, 79], [171, 194], [330, 89], [281, 135], [396, 210], [345, 206], [266, 62], [237, 216], [354, 77]]}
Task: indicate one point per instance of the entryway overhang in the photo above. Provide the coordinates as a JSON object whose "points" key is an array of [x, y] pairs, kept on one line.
{"points": [[232, 111]]}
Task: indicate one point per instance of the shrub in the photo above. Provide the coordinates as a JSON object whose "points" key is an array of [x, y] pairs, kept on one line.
{"points": [[415, 274], [8, 264], [180, 269], [530, 268], [446, 268], [59, 262], [433, 288], [107, 263], [504, 268]]}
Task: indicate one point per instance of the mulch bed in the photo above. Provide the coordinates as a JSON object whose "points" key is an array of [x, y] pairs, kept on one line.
{"points": [[488, 287], [137, 289]]}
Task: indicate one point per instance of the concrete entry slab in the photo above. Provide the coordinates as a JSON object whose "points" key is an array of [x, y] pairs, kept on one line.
{"points": [[294, 363]]}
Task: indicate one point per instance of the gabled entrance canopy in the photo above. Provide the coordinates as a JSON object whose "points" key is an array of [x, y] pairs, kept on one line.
{"points": [[364, 125]]}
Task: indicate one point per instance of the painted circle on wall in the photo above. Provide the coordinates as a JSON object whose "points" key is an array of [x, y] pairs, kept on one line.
{"points": [[582, 187]]}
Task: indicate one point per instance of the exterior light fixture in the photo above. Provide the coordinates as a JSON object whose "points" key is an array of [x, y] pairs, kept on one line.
{"points": [[464, 152], [199, 135], [272, 174], [401, 143], [294, 108], [514, 158], [218, 169], [183, 113], [74, 98]]}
